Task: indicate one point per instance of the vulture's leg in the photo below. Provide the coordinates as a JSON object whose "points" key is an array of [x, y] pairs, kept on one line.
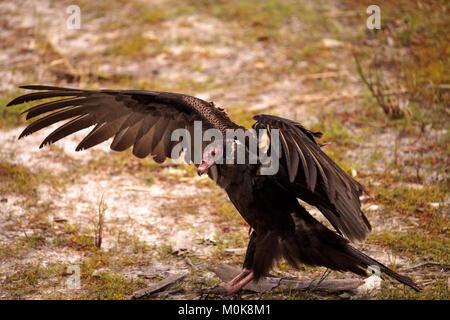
{"points": [[238, 286], [235, 283], [231, 285]]}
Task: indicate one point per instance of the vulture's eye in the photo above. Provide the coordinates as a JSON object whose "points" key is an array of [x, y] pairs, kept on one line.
{"points": [[213, 153]]}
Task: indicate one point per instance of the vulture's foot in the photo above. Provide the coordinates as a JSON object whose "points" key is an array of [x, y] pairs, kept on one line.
{"points": [[239, 281]]}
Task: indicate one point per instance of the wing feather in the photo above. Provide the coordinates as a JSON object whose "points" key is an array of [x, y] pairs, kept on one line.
{"points": [[316, 178], [53, 118], [102, 132], [81, 122], [125, 137], [138, 118]]}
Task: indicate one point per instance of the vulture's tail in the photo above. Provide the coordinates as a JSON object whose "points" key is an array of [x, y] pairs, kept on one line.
{"points": [[313, 244], [366, 262]]}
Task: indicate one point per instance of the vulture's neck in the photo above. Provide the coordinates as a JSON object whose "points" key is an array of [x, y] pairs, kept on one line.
{"points": [[234, 173]]}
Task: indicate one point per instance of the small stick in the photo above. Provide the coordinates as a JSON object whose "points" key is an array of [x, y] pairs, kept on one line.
{"points": [[101, 213], [158, 287], [226, 273]]}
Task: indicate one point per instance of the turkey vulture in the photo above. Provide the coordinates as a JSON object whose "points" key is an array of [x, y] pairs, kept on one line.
{"points": [[280, 226]]}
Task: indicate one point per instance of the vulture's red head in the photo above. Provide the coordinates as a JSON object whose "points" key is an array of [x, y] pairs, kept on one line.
{"points": [[211, 154]]}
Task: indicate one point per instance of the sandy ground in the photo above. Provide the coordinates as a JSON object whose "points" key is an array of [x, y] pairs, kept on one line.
{"points": [[131, 206]]}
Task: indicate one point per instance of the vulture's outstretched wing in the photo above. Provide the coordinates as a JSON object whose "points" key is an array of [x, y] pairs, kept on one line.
{"points": [[144, 120], [312, 176]]}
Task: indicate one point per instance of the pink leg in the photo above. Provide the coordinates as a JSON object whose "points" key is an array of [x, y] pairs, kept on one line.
{"points": [[233, 287], [233, 281]]}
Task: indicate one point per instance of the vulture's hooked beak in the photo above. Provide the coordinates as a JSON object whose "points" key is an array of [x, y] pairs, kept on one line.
{"points": [[214, 174], [203, 167]]}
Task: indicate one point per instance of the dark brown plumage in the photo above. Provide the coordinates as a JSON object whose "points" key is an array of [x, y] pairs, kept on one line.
{"points": [[281, 227]]}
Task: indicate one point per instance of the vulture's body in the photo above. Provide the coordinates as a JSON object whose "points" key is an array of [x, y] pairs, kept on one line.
{"points": [[281, 227]]}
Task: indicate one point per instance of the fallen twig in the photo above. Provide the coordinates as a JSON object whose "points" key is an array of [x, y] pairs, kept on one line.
{"points": [[64, 60], [429, 264], [189, 262], [158, 287], [226, 273]]}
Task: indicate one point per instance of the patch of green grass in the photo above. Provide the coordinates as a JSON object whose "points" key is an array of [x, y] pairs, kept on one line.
{"points": [[137, 12], [120, 162], [16, 179], [240, 115], [374, 157], [265, 14], [335, 130], [417, 202], [227, 213], [132, 45], [259, 19], [11, 116], [17, 248], [107, 285], [438, 290], [149, 180], [110, 286], [31, 278], [152, 14], [202, 183], [406, 200], [50, 279], [81, 241], [415, 244], [191, 86], [417, 31], [76, 238], [336, 138]]}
